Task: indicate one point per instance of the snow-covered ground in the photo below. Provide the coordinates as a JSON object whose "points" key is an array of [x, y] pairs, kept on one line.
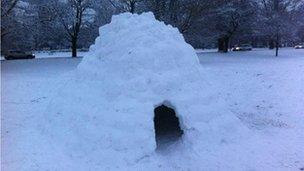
{"points": [[52, 54], [65, 54], [264, 92], [62, 54]]}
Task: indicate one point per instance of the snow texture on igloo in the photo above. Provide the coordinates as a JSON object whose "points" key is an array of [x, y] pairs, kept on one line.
{"points": [[102, 117]]}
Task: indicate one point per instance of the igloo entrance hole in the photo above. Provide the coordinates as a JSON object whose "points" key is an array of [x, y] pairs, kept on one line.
{"points": [[167, 126]]}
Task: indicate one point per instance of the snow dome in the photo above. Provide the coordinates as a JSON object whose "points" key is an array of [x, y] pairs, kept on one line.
{"points": [[110, 111]]}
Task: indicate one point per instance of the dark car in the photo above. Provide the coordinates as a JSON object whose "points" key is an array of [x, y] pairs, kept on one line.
{"points": [[17, 54], [299, 46], [242, 47]]}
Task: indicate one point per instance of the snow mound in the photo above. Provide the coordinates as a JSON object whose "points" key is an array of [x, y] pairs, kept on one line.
{"points": [[140, 46], [102, 118]]}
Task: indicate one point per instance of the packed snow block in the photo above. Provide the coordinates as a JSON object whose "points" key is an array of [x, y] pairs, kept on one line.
{"points": [[103, 116]]}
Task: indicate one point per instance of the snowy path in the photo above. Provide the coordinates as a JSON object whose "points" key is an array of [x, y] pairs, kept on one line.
{"points": [[264, 92]]}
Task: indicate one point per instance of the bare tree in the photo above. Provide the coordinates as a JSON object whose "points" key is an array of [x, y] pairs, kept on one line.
{"points": [[179, 13], [71, 14], [228, 19], [7, 7], [130, 5], [125, 5], [185, 14], [277, 19]]}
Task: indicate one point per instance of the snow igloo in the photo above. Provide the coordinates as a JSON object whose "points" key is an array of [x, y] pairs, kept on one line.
{"points": [[139, 77]]}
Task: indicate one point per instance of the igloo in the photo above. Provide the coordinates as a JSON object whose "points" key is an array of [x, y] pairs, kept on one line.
{"points": [[104, 115]]}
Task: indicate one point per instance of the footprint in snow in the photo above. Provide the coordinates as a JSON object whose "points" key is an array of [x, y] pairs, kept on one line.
{"points": [[37, 100]]}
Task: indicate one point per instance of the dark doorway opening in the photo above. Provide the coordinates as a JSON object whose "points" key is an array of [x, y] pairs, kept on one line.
{"points": [[167, 126]]}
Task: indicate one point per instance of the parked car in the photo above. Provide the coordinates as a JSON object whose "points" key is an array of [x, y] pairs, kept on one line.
{"points": [[299, 46], [17, 54], [242, 47]]}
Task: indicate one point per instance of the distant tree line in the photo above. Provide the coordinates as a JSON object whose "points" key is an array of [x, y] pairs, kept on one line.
{"points": [[73, 24]]}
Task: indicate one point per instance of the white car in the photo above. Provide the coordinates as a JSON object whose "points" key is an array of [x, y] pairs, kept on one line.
{"points": [[242, 47], [299, 46]]}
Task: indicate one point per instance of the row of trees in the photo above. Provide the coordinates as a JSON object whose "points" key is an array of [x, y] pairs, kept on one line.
{"points": [[58, 24]]}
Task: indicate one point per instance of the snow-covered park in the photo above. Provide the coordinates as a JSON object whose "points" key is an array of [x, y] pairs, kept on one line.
{"points": [[237, 110], [264, 92]]}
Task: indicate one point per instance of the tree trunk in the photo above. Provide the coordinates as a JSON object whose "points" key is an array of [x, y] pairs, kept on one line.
{"points": [[74, 46], [223, 44], [271, 44], [277, 44], [220, 44], [226, 40], [132, 7]]}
